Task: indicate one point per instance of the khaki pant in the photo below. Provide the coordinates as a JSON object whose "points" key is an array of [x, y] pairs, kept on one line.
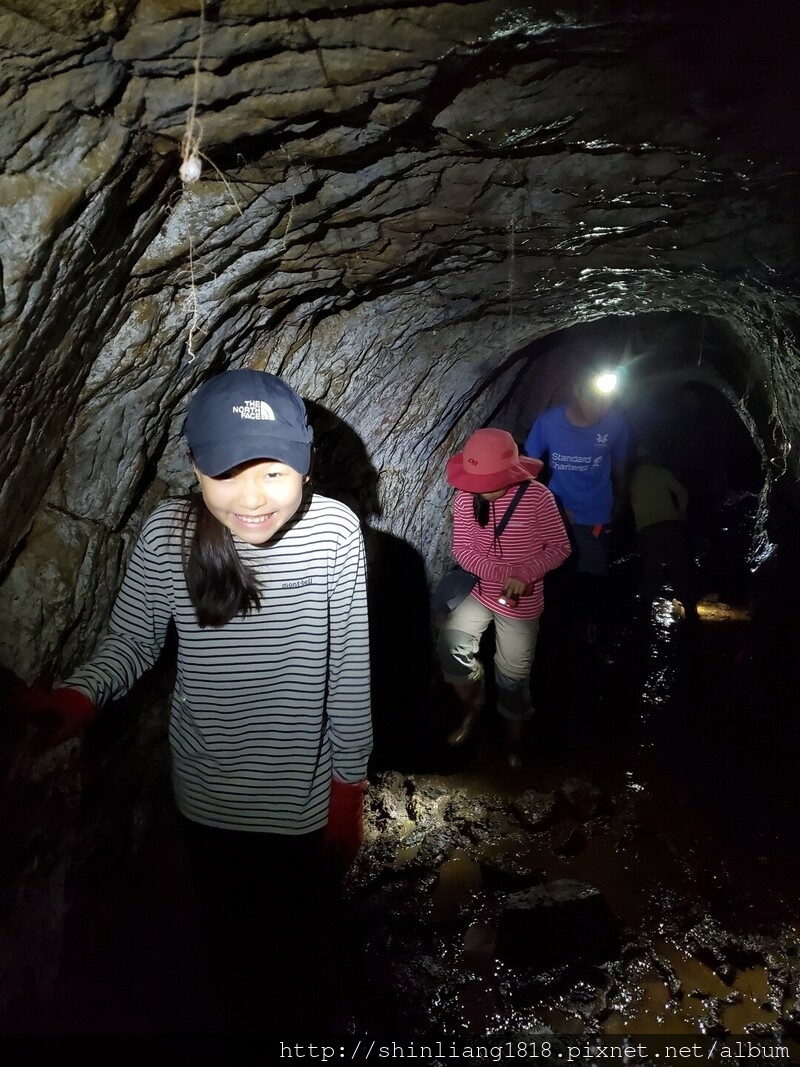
{"points": [[515, 644]]}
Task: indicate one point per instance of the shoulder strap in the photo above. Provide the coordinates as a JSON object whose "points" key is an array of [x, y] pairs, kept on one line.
{"points": [[510, 509]]}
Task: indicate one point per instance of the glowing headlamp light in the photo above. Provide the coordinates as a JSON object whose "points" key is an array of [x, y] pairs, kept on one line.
{"points": [[606, 382]]}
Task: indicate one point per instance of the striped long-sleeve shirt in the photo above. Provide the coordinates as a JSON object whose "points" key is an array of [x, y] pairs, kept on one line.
{"points": [[533, 543], [268, 706]]}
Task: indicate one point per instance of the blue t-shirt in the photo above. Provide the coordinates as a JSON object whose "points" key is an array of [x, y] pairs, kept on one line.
{"points": [[581, 458]]}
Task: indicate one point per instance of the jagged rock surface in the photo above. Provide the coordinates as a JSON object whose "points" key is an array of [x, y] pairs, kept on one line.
{"points": [[411, 194]]}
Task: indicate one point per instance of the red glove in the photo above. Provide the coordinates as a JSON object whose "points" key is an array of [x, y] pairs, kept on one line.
{"points": [[344, 834], [66, 709]]}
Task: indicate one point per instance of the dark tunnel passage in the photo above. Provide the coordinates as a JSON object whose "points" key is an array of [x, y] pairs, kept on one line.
{"points": [[672, 758]]}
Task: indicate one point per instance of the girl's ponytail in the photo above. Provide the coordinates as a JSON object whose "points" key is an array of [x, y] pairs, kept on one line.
{"points": [[220, 586], [480, 509]]}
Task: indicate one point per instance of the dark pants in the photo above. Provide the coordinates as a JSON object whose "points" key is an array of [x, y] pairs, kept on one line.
{"points": [[665, 557], [263, 902], [580, 591], [590, 547]]}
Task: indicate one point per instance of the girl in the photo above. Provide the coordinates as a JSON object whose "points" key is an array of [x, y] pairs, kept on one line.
{"points": [[509, 566], [270, 727]]}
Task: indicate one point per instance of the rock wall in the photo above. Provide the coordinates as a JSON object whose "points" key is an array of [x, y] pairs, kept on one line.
{"points": [[395, 202]]}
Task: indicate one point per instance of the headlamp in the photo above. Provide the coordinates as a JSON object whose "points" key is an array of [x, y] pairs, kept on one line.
{"points": [[606, 382]]}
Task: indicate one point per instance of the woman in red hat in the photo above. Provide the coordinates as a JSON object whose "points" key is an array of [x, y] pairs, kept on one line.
{"points": [[510, 559]]}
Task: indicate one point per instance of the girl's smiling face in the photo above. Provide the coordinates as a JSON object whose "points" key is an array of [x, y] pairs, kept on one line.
{"points": [[254, 500]]}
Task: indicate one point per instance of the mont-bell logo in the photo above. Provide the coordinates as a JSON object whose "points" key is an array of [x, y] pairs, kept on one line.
{"points": [[255, 409]]}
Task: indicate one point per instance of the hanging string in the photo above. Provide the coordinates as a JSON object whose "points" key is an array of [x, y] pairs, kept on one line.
{"points": [[191, 155], [189, 172], [511, 266], [194, 304], [702, 338], [191, 167]]}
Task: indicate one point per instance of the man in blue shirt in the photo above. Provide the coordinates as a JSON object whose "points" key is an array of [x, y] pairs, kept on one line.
{"points": [[586, 445]]}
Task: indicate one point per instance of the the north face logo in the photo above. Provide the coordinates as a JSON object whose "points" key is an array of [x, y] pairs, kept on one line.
{"points": [[255, 409]]}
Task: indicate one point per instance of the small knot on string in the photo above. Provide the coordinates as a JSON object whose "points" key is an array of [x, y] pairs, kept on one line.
{"points": [[191, 168]]}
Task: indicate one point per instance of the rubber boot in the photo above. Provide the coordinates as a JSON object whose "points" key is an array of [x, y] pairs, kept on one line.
{"points": [[470, 696], [515, 730]]}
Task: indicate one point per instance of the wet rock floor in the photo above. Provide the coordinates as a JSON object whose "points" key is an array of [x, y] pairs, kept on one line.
{"points": [[664, 780], [658, 789]]}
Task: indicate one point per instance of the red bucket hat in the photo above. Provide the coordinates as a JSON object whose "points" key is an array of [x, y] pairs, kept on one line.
{"points": [[490, 461]]}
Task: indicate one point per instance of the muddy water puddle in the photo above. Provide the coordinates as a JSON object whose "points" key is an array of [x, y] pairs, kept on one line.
{"points": [[643, 1002], [667, 816], [651, 1007]]}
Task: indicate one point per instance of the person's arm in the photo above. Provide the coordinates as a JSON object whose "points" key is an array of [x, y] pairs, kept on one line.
{"points": [[349, 704], [620, 465], [679, 495], [464, 550], [135, 636], [535, 444], [552, 545], [136, 630]]}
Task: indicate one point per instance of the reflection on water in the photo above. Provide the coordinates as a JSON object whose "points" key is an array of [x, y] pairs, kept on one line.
{"points": [[671, 846], [459, 879]]}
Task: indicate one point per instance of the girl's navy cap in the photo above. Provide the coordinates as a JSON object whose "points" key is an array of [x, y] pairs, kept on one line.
{"points": [[244, 415]]}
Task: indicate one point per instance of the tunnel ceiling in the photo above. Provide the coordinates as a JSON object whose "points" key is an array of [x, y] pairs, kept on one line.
{"points": [[394, 201]]}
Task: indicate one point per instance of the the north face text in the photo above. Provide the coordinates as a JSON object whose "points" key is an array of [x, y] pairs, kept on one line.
{"points": [[255, 409]]}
